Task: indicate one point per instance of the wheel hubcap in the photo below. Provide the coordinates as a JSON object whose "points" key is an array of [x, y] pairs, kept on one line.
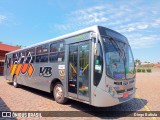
{"points": [[59, 92], [14, 83]]}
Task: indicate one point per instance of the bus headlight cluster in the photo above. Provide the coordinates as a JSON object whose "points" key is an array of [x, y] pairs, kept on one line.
{"points": [[111, 91]]}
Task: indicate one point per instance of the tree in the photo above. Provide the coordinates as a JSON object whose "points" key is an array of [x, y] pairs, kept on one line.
{"points": [[20, 46], [137, 62]]}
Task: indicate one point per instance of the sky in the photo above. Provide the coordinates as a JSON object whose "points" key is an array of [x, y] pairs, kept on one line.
{"points": [[26, 22]]}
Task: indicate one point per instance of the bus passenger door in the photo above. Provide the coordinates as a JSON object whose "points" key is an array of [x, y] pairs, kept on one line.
{"points": [[79, 74]]}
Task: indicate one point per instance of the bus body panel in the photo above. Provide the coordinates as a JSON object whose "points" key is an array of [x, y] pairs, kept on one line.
{"points": [[104, 99]]}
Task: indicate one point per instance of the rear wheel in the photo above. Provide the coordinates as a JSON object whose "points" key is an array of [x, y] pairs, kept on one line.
{"points": [[58, 93], [15, 84]]}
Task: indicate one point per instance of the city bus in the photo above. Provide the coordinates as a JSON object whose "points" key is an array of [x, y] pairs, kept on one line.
{"points": [[94, 65]]}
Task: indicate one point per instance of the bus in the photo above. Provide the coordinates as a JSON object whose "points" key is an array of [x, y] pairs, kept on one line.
{"points": [[94, 65]]}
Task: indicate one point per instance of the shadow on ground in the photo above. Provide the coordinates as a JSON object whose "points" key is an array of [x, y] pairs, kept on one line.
{"points": [[3, 109], [117, 111]]}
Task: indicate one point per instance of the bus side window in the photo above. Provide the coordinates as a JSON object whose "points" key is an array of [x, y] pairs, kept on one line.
{"points": [[57, 52], [42, 53], [98, 67], [61, 52], [15, 58], [30, 59], [54, 47], [8, 62], [5, 59], [42, 49], [42, 58], [21, 55]]}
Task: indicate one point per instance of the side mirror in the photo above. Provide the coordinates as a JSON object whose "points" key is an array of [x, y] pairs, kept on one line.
{"points": [[97, 49]]}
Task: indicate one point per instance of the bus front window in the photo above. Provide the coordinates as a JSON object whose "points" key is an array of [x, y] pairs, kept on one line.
{"points": [[119, 59], [130, 70]]}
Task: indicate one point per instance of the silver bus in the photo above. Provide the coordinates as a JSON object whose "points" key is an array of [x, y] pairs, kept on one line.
{"points": [[93, 65]]}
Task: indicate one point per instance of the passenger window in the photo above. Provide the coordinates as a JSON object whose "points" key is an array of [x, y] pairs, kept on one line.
{"points": [[22, 60], [30, 59], [15, 55], [8, 62], [53, 57], [15, 60], [6, 59], [32, 51], [60, 46], [42, 49], [57, 52], [22, 53], [60, 56], [42, 58], [54, 47]]}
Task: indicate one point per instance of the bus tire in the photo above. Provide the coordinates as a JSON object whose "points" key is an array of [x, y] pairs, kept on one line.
{"points": [[15, 84], [59, 93]]}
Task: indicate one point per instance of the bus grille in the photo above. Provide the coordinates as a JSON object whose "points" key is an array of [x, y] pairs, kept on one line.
{"points": [[130, 89], [120, 91], [132, 81], [118, 83]]}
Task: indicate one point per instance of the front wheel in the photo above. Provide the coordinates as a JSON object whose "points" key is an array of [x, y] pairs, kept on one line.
{"points": [[58, 93]]}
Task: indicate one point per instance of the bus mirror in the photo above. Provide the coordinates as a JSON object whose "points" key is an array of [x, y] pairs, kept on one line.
{"points": [[97, 49]]}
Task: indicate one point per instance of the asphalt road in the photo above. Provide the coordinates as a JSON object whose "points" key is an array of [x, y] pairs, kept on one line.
{"points": [[29, 99]]}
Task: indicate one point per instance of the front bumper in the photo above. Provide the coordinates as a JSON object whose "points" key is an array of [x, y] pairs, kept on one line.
{"points": [[104, 99]]}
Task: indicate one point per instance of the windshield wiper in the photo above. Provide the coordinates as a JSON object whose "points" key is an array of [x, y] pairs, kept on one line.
{"points": [[116, 46], [121, 53]]}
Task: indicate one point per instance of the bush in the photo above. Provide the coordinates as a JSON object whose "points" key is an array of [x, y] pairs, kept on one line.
{"points": [[138, 70], [143, 70], [149, 70]]}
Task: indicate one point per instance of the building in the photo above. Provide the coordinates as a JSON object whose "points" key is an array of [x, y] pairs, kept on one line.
{"points": [[4, 48], [157, 65]]}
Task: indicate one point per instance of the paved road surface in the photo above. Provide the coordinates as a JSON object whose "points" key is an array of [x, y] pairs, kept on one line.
{"points": [[29, 99]]}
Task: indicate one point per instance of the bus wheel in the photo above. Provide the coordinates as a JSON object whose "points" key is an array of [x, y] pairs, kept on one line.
{"points": [[15, 84], [58, 93]]}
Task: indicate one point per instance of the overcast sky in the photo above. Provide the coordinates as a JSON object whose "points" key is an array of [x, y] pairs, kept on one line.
{"points": [[26, 22]]}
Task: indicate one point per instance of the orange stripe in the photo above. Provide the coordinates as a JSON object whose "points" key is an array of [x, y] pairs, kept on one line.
{"points": [[11, 66], [30, 70], [24, 68], [18, 69], [13, 69]]}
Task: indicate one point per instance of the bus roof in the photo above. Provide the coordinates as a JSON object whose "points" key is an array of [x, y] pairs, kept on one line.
{"points": [[92, 28]]}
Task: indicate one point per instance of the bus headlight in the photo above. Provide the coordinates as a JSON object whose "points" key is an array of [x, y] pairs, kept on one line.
{"points": [[111, 91]]}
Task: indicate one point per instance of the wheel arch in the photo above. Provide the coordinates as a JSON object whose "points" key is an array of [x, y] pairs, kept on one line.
{"points": [[53, 82]]}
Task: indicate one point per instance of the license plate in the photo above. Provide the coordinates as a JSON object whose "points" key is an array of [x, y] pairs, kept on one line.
{"points": [[125, 95]]}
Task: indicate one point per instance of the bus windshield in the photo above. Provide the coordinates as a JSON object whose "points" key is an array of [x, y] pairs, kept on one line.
{"points": [[119, 59]]}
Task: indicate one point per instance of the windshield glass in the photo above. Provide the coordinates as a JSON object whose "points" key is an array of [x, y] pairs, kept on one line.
{"points": [[119, 59]]}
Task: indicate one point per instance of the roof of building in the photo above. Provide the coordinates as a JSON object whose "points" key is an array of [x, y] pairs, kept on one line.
{"points": [[8, 48], [157, 65]]}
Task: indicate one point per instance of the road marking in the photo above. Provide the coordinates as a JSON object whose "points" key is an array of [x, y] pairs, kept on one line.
{"points": [[145, 106]]}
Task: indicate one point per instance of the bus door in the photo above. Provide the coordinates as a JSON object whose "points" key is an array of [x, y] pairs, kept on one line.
{"points": [[79, 73]]}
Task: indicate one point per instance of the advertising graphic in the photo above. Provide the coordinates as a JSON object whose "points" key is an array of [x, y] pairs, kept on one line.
{"points": [[20, 65], [45, 71]]}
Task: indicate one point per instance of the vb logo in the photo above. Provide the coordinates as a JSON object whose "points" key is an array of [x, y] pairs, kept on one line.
{"points": [[45, 71]]}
